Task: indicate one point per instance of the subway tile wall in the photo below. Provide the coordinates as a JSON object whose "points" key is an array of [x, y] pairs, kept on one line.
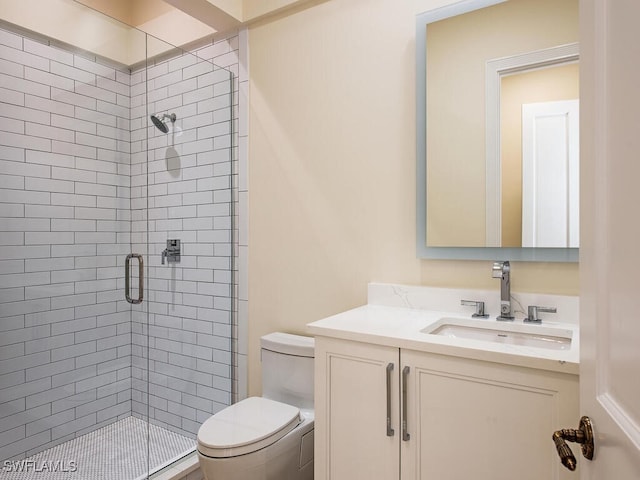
{"points": [[76, 193], [184, 191], [65, 346]]}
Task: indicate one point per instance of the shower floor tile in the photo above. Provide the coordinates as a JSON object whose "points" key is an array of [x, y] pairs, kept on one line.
{"points": [[116, 452]]}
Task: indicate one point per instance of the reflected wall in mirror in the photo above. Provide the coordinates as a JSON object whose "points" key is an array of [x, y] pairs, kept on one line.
{"points": [[473, 134]]}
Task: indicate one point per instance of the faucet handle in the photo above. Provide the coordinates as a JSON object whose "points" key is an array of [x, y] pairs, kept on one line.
{"points": [[533, 311], [479, 308]]}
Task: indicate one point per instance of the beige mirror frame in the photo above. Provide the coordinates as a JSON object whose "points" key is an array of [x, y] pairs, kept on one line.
{"points": [[461, 253]]}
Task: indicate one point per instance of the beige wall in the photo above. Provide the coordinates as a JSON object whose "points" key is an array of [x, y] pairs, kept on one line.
{"points": [[545, 85], [332, 169], [457, 51]]}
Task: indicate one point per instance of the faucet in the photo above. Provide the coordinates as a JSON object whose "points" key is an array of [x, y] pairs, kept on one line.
{"points": [[502, 271]]}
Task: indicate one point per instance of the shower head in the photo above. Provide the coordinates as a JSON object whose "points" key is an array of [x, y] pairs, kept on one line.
{"points": [[159, 122]]}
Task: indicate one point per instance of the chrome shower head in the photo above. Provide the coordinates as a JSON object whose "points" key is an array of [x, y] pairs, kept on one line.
{"points": [[160, 122]]}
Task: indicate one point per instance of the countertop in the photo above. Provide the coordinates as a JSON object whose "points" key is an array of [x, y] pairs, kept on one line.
{"points": [[401, 327]]}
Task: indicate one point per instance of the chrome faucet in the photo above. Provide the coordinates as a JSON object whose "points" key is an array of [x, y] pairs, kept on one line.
{"points": [[502, 270]]}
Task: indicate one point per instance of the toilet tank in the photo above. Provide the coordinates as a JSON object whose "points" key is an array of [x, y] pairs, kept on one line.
{"points": [[287, 368]]}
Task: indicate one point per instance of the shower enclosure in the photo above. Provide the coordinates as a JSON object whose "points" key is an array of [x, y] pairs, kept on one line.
{"points": [[116, 246]]}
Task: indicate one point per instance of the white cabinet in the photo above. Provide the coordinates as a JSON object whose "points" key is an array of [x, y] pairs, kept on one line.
{"points": [[465, 419], [351, 411]]}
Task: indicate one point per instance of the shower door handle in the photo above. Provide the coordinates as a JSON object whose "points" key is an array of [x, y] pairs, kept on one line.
{"points": [[127, 279]]}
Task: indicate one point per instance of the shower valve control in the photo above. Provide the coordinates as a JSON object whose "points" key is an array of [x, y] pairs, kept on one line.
{"points": [[172, 252]]}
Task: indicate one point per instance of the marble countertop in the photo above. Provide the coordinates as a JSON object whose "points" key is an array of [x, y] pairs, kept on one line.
{"points": [[401, 327]]}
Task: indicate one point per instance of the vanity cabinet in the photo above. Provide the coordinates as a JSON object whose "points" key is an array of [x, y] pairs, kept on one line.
{"points": [[464, 419]]}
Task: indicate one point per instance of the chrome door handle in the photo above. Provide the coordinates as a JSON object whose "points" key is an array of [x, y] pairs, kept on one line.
{"points": [[390, 431], [127, 280], [405, 375]]}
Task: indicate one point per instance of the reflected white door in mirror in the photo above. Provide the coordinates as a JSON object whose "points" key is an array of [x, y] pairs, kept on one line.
{"points": [[478, 63]]}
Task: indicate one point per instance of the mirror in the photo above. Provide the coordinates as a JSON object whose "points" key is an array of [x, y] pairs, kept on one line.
{"points": [[497, 126]]}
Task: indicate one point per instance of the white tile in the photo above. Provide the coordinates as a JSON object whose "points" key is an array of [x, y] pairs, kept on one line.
{"points": [[95, 237], [210, 210], [96, 141], [24, 279], [113, 86], [95, 189], [73, 98], [21, 196], [48, 238], [73, 149], [47, 105], [96, 165], [182, 187], [95, 213], [73, 174], [11, 210], [54, 290], [48, 264], [47, 211], [196, 198], [12, 238], [12, 181], [112, 109], [73, 200], [91, 66], [11, 125], [23, 58], [46, 51], [25, 141], [10, 39], [48, 158], [25, 224], [95, 116], [11, 96], [212, 78], [92, 91], [50, 79], [75, 124], [48, 185], [53, 133]]}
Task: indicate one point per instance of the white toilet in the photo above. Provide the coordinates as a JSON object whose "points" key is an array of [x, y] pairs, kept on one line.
{"points": [[268, 437]]}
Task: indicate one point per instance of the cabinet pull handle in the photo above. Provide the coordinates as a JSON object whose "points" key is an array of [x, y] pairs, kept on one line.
{"points": [[127, 280], [390, 431], [405, 433]]}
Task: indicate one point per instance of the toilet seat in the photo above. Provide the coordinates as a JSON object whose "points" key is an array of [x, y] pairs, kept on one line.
{"points": [[247, 426]]}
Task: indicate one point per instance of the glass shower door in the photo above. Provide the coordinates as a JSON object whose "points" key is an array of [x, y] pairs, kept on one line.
{"points": [[112, 352]]}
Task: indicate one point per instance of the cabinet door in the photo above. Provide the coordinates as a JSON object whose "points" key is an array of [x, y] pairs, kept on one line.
{"points": [[484, 421], [352, 441]]}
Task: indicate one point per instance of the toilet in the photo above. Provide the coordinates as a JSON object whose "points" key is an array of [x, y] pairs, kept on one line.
{"points": [[268, 437]]}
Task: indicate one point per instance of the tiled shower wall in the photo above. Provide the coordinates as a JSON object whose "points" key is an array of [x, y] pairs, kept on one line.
{"points": [[65, 346], [188, 197], [67, 158]]}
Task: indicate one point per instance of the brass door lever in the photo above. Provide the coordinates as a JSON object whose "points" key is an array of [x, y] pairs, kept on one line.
{"points": [[583, 435]]}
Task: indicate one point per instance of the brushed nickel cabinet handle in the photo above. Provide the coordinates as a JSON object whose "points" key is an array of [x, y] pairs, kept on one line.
{"points": [[390, 431], [405, 375]]}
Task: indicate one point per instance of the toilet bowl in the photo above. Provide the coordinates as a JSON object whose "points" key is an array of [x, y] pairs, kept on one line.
{"points": [[268, 437]]}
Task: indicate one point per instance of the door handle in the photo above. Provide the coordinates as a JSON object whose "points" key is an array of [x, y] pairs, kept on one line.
{"points": [[390, 431], [127, 279], [583, 435], [405, 375]]}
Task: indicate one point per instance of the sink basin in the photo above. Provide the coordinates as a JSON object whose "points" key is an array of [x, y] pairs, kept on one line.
{"points": [[512, 334]]}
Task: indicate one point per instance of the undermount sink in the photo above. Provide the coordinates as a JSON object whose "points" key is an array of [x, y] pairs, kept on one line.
{"points": [[536, 336]]}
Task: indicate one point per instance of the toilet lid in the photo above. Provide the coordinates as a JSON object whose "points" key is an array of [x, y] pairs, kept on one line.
{"points": [[246, 426]]}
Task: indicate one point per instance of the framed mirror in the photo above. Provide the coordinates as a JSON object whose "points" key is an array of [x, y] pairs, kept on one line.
{"points": [[497, 131]]}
